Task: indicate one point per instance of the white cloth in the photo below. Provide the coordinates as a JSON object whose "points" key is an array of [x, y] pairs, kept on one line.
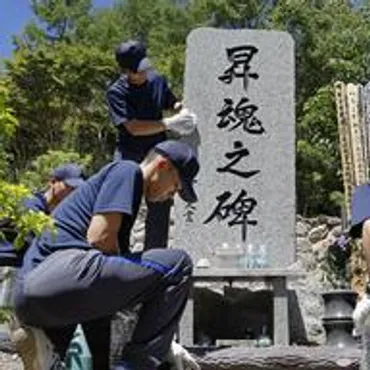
{"points": [[183, 123], [180, 358]]}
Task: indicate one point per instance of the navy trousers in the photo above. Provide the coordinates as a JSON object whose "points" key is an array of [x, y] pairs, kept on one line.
{"points": [[77, 286]]}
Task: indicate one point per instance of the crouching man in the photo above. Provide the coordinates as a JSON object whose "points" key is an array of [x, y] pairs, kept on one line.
{"points": [[78, 273]]}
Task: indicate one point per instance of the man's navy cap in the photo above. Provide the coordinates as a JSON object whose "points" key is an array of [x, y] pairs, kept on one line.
{"points": [[70, 174], [132, 55], [186, 162]]}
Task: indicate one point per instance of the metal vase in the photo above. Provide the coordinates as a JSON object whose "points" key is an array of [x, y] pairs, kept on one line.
{"points": [[337, 320]]}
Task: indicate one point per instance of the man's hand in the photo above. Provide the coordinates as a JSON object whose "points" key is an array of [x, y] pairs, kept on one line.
{"points": [[183, 123], [180, 358]]}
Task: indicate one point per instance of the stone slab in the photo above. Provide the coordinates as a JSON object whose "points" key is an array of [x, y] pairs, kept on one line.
{"points": [[246, 143], [281, 358], [235, 274]]}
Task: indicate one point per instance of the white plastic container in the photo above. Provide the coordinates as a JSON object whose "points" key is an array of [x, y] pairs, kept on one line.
{"points": [[229, 257]]}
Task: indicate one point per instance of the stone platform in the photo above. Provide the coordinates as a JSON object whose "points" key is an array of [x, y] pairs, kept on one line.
{"points": [[279, 358], [246, 358], [251, 358], [273, 278]]}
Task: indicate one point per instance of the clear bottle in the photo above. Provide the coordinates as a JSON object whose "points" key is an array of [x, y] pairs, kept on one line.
{"points": [[264, 340], [240, 256], [251, 256], [262, 256]]}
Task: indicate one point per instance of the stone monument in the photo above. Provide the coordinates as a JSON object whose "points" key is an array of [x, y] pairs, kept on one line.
{"points": [[240, 83]]}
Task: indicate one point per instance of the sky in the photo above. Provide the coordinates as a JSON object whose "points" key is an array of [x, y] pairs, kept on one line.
{"points": [[15, 14]]}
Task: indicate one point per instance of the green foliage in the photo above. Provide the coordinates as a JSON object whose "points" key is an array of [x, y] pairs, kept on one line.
{"points": [[332, 43], [5, 314], [229, 14], [8, 122], [318, 160], [60, 16], [33, 221], [58, 94], [37, 176], [11, 195]]}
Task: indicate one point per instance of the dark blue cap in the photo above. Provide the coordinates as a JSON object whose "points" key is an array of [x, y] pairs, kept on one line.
{"points": [[132, 55], [186, 162], [70, 174]]}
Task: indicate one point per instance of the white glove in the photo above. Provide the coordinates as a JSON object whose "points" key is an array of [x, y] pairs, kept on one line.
{"points": [[180, 358], [183, 123]]}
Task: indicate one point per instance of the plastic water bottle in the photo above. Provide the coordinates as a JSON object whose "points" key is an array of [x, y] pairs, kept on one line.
{"points": [[264, 340], [78, 356], [261, 256], [252, 255], [256, 256], [240, 256]]}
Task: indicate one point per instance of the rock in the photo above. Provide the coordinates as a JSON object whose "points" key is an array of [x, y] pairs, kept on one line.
{"points": [[301, 229], [336, 231], [322, 219], [319, 250], [311, 309], [9, 361], [333, 221], [282, 358], [315, 331], [318, 233], [6, 345], [313, 221], [304, 253], [123, 325]]}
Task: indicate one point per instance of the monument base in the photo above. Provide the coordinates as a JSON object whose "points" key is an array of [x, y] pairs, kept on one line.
{"points": [[278, 358]]}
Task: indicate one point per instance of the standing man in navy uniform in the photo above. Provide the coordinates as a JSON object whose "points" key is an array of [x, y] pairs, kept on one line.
{"points": [[136, 103], [83, 271]]}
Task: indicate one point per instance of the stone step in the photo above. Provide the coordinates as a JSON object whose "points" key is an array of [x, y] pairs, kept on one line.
{"points": [[279, 358], [269, 358]]}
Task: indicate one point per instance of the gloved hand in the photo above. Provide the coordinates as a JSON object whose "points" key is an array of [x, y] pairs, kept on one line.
{"points": [[180, 358], [183, 123]]}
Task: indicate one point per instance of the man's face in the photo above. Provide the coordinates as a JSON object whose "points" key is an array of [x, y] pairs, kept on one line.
{"points": [[60, 189], [164, 184], [136, 78]]}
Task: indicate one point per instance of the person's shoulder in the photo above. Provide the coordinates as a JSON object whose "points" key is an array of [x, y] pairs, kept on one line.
{"points": [[36, 202], [119, 86], [127, 165], [158, 81], [123, 168], [154, 77]]}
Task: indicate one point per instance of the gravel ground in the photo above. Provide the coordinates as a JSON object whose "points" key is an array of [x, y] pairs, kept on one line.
{"points": [[10, 361]]}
